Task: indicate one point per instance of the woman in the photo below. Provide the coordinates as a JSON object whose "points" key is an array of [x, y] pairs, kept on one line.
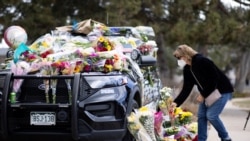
{"points": [[201, 71]]}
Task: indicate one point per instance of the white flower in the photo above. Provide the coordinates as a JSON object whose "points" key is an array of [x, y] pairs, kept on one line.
{"points": [[166, 92]]}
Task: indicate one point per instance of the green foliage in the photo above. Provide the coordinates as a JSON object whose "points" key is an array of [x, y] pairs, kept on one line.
{"points": [[198, 23]]}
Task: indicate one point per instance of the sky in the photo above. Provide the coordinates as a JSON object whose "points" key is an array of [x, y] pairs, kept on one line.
{"points": [[232, 3]]}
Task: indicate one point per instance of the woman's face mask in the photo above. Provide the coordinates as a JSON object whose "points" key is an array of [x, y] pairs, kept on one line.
{"points": [[181, 63]]}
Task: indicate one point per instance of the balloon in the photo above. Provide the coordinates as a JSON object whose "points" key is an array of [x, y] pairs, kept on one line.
{"points": [[14, 36]]}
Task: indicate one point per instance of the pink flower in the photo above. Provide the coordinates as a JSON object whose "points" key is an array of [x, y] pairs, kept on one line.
{"points": [[158, 122]]}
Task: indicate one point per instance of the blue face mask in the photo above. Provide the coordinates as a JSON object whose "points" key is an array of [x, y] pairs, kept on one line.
{"points": [[181, 63]]}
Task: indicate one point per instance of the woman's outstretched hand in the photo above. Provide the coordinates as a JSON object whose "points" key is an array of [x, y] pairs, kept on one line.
{"points": [[200, 98]]}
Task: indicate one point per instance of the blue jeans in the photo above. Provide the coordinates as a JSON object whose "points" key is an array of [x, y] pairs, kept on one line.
{"points": [[211, 114]]}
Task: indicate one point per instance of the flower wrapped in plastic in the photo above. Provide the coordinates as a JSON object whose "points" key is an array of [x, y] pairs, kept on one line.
{"points": [[84, 53], [192, 129], [45, 70], [171, 131], [69, 69], [182, 117], [19, 68], [54, 70], [166, 100], [43, 45], [29, 56], [158, 124], [146, 118], [136, 128], [182, 134], [118, 62], [104, 44], [133, 125], [145, 49]]}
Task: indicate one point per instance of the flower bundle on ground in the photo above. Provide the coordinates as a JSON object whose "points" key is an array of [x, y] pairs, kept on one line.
{"points": [[169, 123], [140, 125]]}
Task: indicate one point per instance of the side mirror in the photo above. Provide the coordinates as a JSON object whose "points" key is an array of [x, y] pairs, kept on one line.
{"points": [[147, 60], [9, 54]]}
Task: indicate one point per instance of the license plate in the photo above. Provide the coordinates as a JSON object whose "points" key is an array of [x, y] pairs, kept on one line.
{"points": [[42, 118]]}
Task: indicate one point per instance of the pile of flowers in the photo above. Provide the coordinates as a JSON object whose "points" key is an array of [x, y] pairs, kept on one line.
{"points": [[63, 53], [163, 121]]}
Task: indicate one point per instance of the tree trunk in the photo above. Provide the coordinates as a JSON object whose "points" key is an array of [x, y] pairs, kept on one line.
{"points": [[242, 77]]}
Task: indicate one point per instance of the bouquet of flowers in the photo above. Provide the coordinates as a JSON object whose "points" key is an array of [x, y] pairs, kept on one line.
{"points": [[103, 44], [145, 49], [146, 118], [158, 123], [182, 117], [177, 123], [143, 120], [169, 123], [137, 129], [20, 68], [166, 101]]}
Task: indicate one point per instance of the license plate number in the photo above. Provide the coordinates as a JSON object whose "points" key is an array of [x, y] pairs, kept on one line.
{"points": [[42, 118]]}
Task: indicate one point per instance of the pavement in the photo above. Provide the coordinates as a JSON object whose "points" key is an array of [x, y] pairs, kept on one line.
{"points": [[234, 119]]}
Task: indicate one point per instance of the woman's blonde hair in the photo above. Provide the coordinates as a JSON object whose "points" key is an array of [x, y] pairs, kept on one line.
{"points": [[184, 51]]}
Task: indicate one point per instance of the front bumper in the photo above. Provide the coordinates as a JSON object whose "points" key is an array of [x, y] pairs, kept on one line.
{"points": [[93, 114]]}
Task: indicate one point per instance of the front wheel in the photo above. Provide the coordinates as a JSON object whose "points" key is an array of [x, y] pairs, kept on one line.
{"points": [[129, 136]]}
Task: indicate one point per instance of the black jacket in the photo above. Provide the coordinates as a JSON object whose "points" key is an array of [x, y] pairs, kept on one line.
{"points": [[209, 76]]}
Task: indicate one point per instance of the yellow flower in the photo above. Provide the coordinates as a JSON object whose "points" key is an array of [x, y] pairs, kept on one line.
{"points": [[33, 46], [132, 43], [109, 47], [108, 67], [131, 118], [77, 69], [162, 104], [178, 111], [187, 114], [192, 127], [45, 44], [144, 109], [101, 39], [105, 42]]}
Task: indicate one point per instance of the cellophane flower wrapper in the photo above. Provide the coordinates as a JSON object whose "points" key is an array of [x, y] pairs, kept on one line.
{"points": [[20, 68], [145, 49], [69, 69], [169, 138], [42, 44], [192, 129], [46, 70], [54, 70], [137, 129], [171, 131], [158, 124], [182, 133], [146, 118], [165, 103], [87, 52]]}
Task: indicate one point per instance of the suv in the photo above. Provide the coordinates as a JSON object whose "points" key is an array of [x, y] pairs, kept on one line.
{"points": [[97, 110]]}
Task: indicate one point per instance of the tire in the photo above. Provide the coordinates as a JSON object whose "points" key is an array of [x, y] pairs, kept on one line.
{"points": [[128, 136]]}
